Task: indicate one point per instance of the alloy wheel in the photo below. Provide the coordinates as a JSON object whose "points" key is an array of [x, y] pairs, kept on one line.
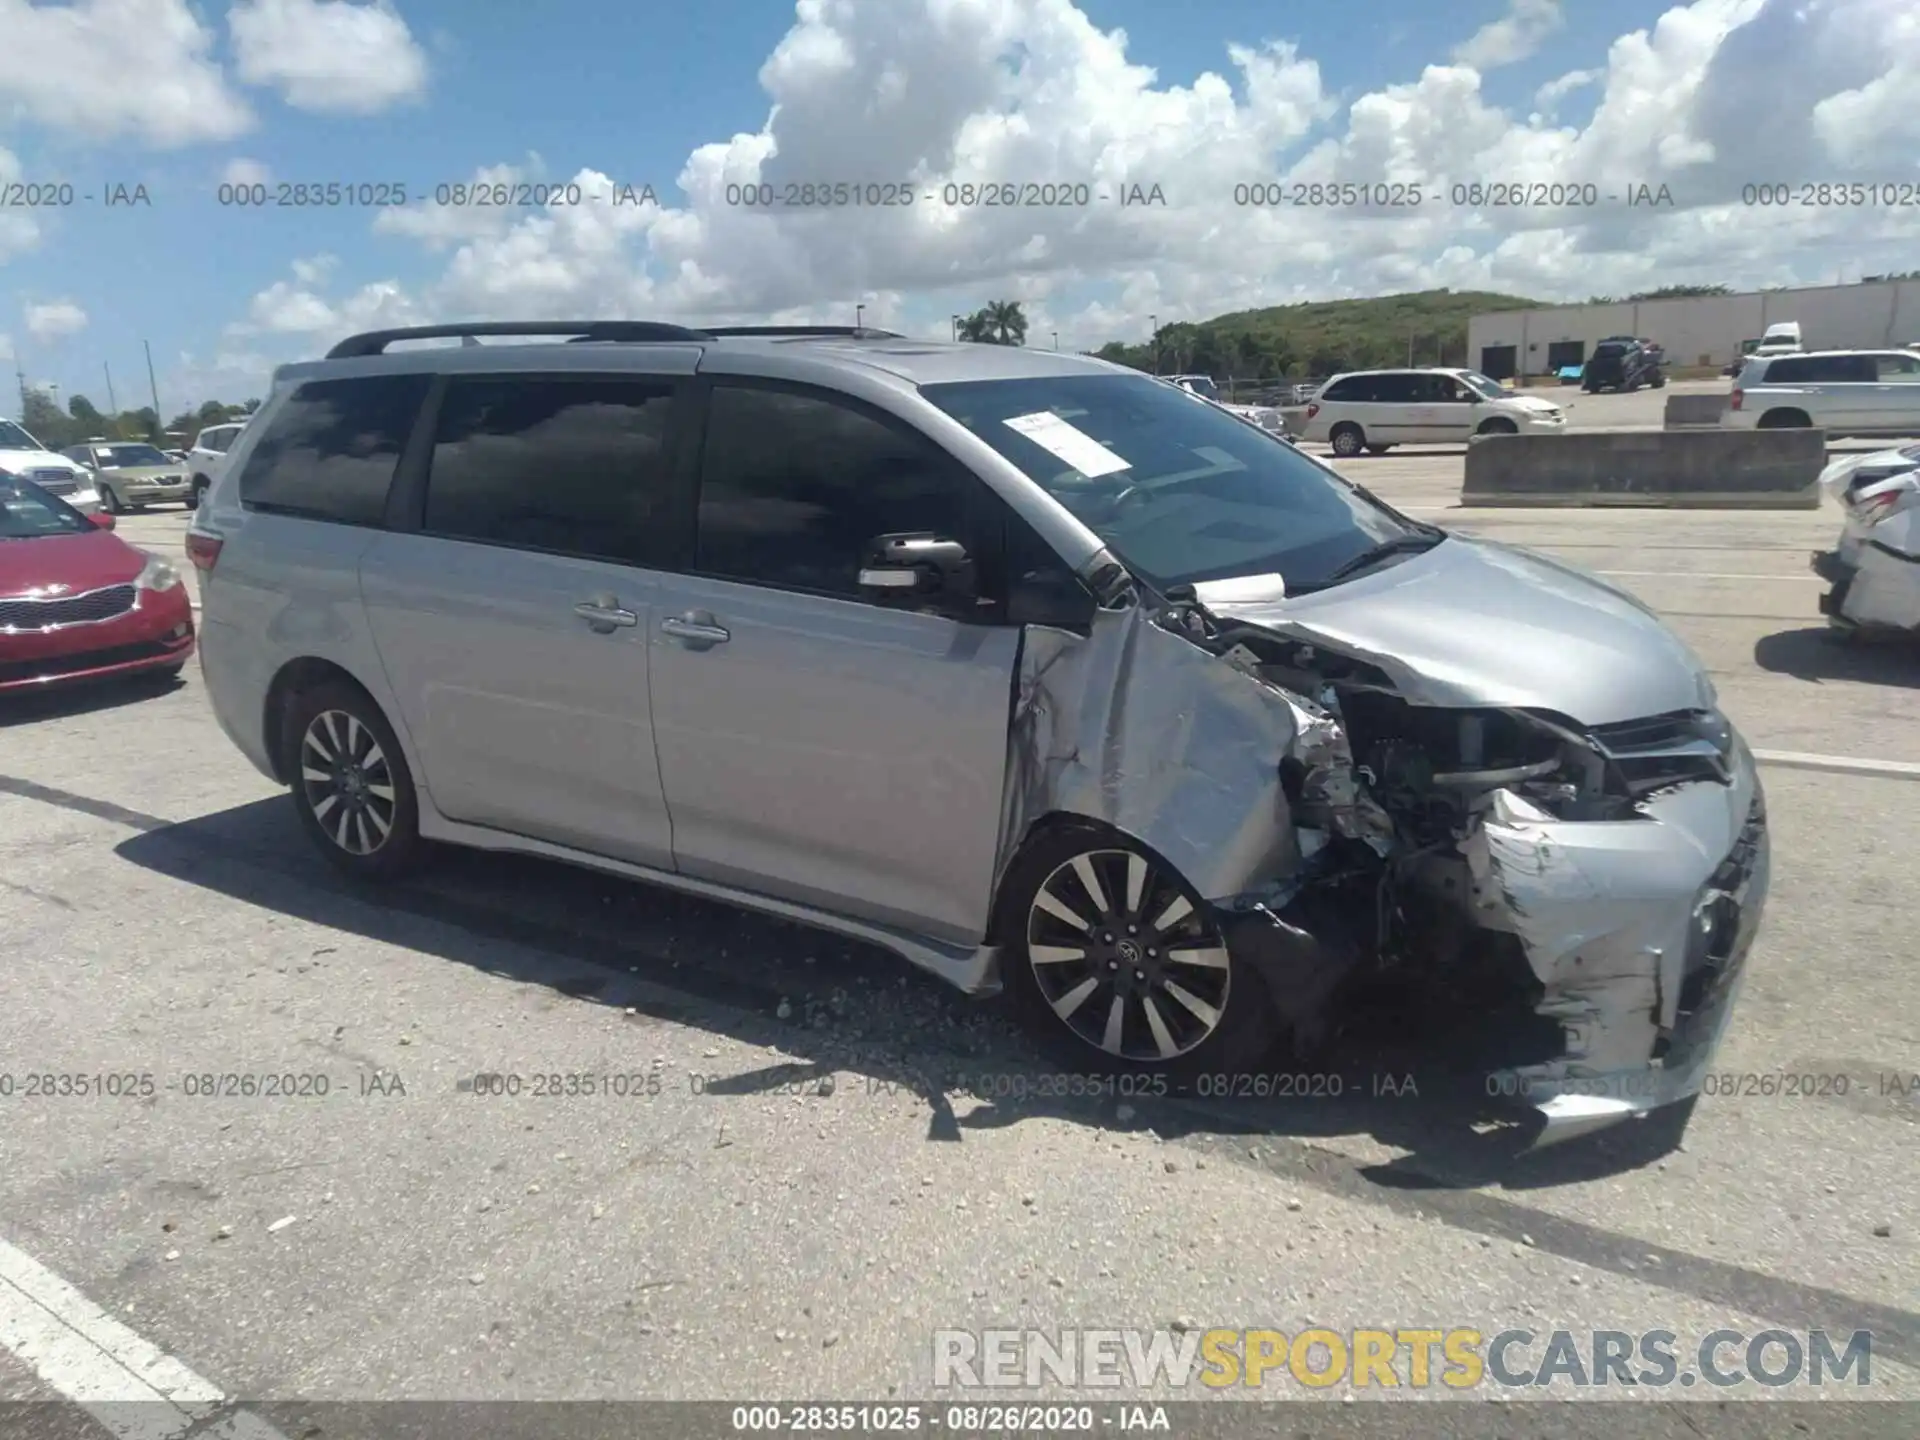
{"points": [[1124, 959], [347, 783], [1347, 442]]}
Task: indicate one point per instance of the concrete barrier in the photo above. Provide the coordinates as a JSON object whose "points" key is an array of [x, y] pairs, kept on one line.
{"points": [[1688, 410], [1705, 469]]}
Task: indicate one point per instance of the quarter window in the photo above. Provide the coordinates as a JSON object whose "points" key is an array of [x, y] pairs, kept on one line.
{"points": [[794, 487], [330, 451], [574, 467]]}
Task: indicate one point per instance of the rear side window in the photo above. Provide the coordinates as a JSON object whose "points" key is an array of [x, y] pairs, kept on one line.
{"points": [[575, 467], [1354, 387], [793, 487], [330, 452]]}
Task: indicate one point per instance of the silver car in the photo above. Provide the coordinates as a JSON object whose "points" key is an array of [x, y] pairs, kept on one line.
{"points": [[1018, 663]]}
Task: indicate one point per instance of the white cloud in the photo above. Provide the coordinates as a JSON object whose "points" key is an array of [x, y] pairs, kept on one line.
{"points": [[328, 55], [1513, 37], [241, 171], [55, 320], [18, 230], [104, 69], [1557, 89], [886, 92]]}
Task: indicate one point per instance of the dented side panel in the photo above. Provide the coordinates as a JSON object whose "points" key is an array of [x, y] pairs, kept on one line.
{"points": [[1138, 728]]}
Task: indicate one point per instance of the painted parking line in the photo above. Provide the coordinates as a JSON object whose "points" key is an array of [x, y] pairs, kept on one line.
{"points": [[125, 1382], [1705, 575], [1838, 764]]}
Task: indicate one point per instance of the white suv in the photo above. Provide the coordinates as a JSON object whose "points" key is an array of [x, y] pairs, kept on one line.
{"points": [[208, 457], [1375, 410], [1844, 392]]}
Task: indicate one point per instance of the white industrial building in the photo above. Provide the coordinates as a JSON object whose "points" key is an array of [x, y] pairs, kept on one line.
{"points": [[1696, 330]]}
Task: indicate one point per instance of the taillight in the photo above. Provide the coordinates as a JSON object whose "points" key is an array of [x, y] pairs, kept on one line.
{"points": [[1876, 508], [203, 550], [1734, 399], [1313, 409]]}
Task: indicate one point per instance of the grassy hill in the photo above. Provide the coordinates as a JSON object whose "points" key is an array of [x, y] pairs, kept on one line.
{"points": [[1320, 337]]}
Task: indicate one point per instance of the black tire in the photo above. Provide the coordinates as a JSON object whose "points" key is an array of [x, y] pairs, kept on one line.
{"points": [[1378, 449], [1347, 439], [1659, 382], [1784, 420], [1498, 427], [110, 502], [325, 734], [199, 497], [1208, 1014]]}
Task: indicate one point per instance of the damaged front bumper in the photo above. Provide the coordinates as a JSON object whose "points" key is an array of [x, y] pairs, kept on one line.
{"points": [[1875, 587], [1638, 932]]}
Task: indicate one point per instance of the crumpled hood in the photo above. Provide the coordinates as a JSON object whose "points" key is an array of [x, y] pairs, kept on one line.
{"points": [[1476, 623]]}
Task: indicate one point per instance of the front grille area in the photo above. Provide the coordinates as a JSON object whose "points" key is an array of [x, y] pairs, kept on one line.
{"points": [[1662, 751], [67, 609], [57, 665], [54, 482]]}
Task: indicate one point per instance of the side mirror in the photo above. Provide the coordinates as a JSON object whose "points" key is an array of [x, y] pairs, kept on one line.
{"points": [[100, 520], [918, 564]]}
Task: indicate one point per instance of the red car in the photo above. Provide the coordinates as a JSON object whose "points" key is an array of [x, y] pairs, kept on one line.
{"points": [[79, 603]]}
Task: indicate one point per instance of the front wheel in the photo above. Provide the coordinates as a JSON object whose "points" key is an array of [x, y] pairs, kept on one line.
{"points": [[1118, 963], [1499, 427], [109, 501], [350, 783]]}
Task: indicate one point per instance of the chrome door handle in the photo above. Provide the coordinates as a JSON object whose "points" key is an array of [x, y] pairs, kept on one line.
{"points": [[697, 631], [604, 617]]}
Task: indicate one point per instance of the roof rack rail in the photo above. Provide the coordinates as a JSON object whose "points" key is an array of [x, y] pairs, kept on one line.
{"points": [[801, 332], [375, 342]]}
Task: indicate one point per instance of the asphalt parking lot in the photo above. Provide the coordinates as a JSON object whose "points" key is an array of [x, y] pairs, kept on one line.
{"points": [[802, 1183]]}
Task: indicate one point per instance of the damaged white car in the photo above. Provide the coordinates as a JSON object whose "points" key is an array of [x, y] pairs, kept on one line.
{"points": [[1022, 665], [1875, 569]]}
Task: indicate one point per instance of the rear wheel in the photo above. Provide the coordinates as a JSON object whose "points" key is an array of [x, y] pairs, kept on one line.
{"points": [[1115, 961], [1347, 440], [350, 783], [1785, 420]]}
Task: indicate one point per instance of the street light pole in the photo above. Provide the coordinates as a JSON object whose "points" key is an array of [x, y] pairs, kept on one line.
{"points": [[154, 386], [859, 317], [1153, 323], [956, 329], [113, 406], [1056, 339]]}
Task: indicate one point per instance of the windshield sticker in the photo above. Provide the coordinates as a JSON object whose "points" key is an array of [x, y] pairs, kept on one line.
{"points": [[1241, 590], [1066, 443]]}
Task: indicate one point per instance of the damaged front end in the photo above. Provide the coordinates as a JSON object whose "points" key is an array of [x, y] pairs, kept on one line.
{"points": [[1610, 877]]}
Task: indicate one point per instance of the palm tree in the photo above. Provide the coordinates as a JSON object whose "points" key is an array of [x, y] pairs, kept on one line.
{"points": [[999, 322]]}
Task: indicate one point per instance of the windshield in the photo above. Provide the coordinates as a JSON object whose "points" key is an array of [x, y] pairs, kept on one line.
{"points": [[1482, 386], [1181, 493], [12, 437], [123, 457], [27, 511]]}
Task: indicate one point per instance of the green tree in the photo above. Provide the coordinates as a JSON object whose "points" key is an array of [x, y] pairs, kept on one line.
{"points": [[40, 413], [86, 415], [999, 322]]}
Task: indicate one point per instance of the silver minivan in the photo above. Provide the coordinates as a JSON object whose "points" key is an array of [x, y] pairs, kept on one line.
{"points": [[1017, 663]]}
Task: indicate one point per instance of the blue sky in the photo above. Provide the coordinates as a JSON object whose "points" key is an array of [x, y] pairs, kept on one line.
{"points": [[655, 82]]}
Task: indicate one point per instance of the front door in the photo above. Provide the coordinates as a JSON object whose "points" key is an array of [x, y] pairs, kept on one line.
{"points": [[1897, 396], [818, 742], [513, 609]]}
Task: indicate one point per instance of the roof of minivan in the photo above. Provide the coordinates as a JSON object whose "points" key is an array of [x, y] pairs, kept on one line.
{"points": [[918, 362]]}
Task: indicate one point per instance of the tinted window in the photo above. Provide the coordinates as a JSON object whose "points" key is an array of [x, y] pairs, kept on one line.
{"points": [[1898, 367], [1185, 492], [1611, 350], [1354, 387], [573, 466], [793, 487], [329, 453], [1402, 389]]}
